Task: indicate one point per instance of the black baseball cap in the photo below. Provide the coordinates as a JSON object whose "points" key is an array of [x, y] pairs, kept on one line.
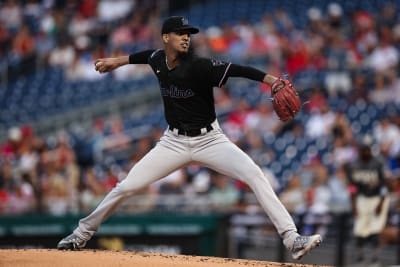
{"points": [[177, 23]]}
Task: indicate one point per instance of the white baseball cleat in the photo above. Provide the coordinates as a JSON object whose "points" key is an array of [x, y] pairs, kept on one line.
{"points": [[304, 244], [71, 242]]}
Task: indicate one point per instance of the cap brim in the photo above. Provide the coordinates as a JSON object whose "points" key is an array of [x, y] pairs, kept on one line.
{"points": [[191, 29]]}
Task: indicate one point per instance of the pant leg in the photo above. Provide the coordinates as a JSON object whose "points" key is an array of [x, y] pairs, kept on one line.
{"points": [[169, 154], [359, 251], [217, 152]]}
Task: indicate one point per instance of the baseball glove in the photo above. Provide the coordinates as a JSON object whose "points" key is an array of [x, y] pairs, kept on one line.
{"points": [[285, 99]]}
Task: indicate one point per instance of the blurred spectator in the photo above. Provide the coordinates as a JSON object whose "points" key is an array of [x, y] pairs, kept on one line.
{"points": [[117, 139], [122, 36], [316, 101], [316, 22], [271, 39], [28, 158], [63, 55], [223, 195], [23, 45], [296, 53], [385, 56], [263, 120], [201, 45], [365, 36], [370, 201], [110, 180], [236, 46], [343, 151], [320, 122], [92, 191], [47, 44], [216, 40], [142, 146], [223, 100], [55, 188], [335, 16], [80, 25], [360, 87], [317, 59], [108, 10], [11, 15], [200, 178], [293, 196], [318, 197], [170, 188], [381, 93], [66, 159], [393, 86], [253, 143], [387, 136], [8, 182], [337, 79], [10, 148], [174, 183], [338, 186], [341, 128], [81, 68], [21, 198], [88, 8], [235, 123]]}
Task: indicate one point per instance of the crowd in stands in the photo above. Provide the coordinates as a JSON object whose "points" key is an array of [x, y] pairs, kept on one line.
{"points": [[350, 55], [70, 34]]}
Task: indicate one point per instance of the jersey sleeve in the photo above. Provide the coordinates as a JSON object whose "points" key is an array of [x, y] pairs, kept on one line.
{"points": [[220, 71], [246, 72], [141, 57], [212, 69]]}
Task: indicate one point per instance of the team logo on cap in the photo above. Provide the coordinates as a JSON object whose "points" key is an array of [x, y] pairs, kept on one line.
{"points": [[185, 21]]}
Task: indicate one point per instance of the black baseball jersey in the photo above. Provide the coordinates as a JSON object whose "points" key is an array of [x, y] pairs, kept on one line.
{"points": [[187, 90], [366, 176]]}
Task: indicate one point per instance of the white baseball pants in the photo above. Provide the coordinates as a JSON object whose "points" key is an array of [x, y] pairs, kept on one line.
{"points": [[173, 151]]}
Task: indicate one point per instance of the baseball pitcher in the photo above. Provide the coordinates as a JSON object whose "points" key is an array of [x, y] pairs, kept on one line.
{"points": [[193, 134]]}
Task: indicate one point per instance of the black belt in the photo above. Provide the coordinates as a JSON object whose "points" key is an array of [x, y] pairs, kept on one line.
{"points": [[192, 132]]}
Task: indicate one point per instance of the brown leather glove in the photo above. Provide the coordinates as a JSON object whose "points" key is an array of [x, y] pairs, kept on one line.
{"points": [[285, 99]]}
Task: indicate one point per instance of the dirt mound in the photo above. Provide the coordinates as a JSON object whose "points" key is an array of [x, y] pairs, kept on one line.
{"points": [[98, 258]]}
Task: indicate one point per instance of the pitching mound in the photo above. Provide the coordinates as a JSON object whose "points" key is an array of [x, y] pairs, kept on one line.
{"points": [[89, 258]]}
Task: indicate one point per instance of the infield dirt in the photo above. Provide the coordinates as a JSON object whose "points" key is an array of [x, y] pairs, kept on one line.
{"points": [[99, 258]]}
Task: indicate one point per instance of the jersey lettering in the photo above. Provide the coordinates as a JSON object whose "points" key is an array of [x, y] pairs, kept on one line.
{"points": [[187, 90], [216, 62], [174, 92], [368, 177]]}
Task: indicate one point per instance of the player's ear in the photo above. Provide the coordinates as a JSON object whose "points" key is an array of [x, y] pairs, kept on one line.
{"points": [[165, 38]]}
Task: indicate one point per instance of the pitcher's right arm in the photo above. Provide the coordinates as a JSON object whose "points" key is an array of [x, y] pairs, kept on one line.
{"points": [[104, 65]]}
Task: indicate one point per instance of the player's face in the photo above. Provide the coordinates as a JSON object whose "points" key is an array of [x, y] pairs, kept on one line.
{"points": [[178, 41]]}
